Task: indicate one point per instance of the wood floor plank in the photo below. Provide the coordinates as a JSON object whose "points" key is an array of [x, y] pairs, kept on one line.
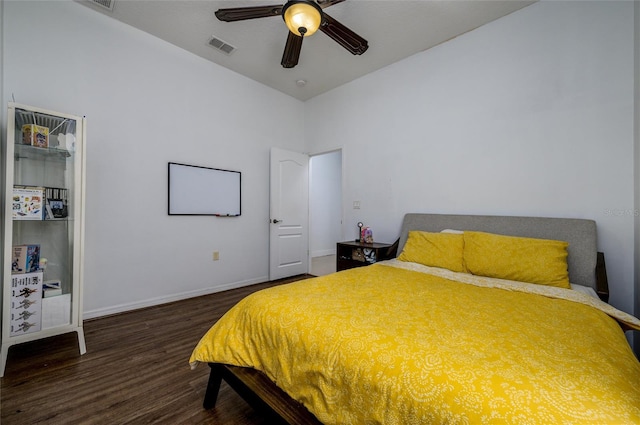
{"points": [[135, 370]]}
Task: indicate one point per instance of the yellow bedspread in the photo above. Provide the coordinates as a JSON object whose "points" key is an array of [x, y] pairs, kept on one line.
{"points": [[383, 344]]}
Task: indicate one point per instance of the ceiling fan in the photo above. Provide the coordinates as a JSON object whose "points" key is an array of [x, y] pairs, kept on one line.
{"points": [[303, 18]]}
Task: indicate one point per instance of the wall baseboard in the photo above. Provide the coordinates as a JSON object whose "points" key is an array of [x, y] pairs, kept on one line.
{"points": [[122, 308]]}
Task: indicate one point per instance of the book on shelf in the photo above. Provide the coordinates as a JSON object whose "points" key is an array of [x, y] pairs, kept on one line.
{"points": [[28, 203], [39, 203], [51, 288], [56, 201], [25, 258], [26, 303]]}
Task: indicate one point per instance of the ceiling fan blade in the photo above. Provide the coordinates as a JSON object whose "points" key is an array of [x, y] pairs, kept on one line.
{"points": [[252, 12], [327, 3], [343, 35], [291, 51]]}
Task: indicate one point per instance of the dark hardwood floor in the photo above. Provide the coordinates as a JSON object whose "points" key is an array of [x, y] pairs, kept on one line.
{"points": [[135, 370]]}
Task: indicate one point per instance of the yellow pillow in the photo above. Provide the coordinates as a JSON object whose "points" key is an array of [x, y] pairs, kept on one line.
{"points": [[442, 250], [540, 261]]}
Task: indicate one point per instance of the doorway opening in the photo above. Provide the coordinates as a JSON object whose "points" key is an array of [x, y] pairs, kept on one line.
{"points": [[325, 211]]}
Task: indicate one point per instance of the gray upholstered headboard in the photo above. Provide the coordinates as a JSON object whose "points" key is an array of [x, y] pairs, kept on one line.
{"points": [[580, 233]]}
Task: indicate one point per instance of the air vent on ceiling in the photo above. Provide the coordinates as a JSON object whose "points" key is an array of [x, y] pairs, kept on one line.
{"points": [[106, 4], [223, 46]]}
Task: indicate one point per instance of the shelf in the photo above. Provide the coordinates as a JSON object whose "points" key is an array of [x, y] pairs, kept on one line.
{"points": [[52, 178], [34, 152], [42, 221]]}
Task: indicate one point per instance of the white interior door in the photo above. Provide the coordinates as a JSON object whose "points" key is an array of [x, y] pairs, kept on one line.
{"points": [[289, 215]]}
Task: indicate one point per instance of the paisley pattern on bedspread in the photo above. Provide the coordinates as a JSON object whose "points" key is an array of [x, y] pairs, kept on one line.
{"points": [[383, 344]]}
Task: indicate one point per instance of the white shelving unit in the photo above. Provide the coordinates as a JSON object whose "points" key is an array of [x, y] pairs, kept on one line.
{"points": [[47, 220]]}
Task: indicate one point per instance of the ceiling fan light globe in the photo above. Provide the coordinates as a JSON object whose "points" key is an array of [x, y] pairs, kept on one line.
{"points": [[302, 14]]}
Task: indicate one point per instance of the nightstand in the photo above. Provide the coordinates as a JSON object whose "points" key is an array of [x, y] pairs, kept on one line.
{"points": [[358, 254]]}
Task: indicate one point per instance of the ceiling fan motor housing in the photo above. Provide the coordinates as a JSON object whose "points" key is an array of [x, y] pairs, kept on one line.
{"points": [[303, 17]]}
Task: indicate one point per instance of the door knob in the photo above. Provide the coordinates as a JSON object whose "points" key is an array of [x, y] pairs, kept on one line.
{"points": [[274, 221]]}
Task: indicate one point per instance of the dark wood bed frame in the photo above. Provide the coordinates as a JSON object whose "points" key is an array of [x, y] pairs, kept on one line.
{"points": [[260, 392]]}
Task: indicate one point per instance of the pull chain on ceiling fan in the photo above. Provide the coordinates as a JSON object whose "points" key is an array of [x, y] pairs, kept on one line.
{"points": [[303, 18]]}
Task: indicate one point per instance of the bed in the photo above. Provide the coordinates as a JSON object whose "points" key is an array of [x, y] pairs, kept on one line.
{"points": [[480, 319]]}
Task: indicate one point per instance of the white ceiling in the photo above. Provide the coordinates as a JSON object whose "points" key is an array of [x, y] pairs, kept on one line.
{"points": [[395, 29]]}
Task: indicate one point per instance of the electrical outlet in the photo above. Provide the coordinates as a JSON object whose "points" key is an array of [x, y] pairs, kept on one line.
{"points": [[356, 205], [216, 255]]}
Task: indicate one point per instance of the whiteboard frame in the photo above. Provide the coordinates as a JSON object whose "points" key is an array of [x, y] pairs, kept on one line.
{"points": [[189, 185]]}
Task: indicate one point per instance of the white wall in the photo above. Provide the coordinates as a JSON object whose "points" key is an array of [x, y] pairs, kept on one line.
{"points": [[529, 115], [148, 102], [325, 203]]}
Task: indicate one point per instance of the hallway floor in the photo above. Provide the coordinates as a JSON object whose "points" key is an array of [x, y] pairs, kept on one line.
{"points": [[321, 266]]}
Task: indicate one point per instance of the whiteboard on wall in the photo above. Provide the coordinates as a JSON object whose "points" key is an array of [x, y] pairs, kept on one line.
{"points": [[195, 190]]}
